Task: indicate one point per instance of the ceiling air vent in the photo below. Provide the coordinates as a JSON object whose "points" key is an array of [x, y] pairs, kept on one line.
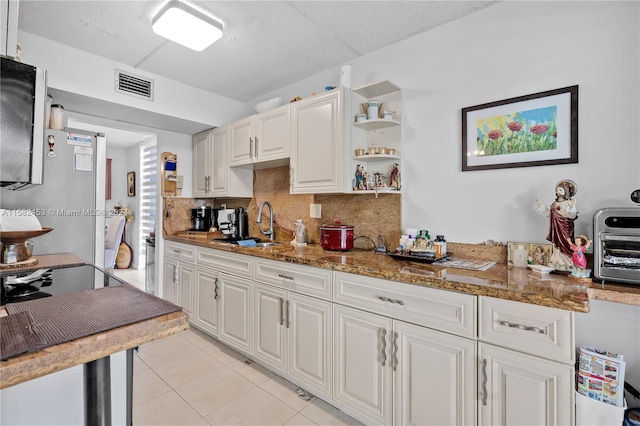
{"points": [[129, 84]]}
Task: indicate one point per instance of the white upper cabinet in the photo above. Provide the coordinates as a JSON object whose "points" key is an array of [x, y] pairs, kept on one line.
{"points": [[317, 141], [202, 169], [227, 181], [260, 138]]}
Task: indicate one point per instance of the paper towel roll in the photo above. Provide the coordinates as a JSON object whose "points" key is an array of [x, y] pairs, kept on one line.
{"points": [[345, 76]]}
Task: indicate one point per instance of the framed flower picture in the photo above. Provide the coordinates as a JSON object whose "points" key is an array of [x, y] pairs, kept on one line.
{"points": [[532, 130]]}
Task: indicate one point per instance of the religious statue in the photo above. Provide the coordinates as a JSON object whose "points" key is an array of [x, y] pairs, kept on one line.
{"points": [[394, 178], [579, 247], [562, 213]]}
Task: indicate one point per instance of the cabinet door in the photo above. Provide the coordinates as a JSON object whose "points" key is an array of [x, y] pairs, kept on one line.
{"points": [[201, 169], [362, 377], [207, 296], [220, 155], [186, 282], [316, 145], [310, 342], [519, 389], [272, 134], [270, 337], [235, 312], [170, 278], [241, 142], [435, 377]]}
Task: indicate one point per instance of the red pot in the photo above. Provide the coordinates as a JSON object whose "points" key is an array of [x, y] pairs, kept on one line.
{"points": [[336, 236]]}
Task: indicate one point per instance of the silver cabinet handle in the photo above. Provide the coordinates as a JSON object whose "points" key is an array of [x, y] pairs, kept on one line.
{"points": [[176, 251], [281, 311], [286, 313], [175, 274], [484, 381], [206, 184], [255, 143], [285, 277], [216, 296], [250, 147], [522, 327], [383, 355], [394, 360], [387, 299]]}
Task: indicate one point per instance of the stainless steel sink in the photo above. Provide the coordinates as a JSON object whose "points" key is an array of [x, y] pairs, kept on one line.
{"points": [[267, 244]]}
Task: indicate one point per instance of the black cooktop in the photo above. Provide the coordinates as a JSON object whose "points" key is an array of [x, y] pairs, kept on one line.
{"points": [[36, 284]]}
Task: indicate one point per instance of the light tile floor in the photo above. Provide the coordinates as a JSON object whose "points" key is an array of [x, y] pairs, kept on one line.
{"points": [[192, 379], [132, 276]]}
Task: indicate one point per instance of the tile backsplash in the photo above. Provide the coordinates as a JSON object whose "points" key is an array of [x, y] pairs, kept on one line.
{"points": [[370, 216]]}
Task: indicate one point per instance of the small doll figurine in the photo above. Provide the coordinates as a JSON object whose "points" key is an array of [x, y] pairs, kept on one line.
{"points": [[579, 247], [394, 179], [359, 184]]}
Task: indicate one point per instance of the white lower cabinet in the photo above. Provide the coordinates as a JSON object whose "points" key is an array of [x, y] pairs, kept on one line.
{"points": [[526, 364], [520, 389], [179, 277], [390, 371], [292, 335], [235, 312], [207, 300]]}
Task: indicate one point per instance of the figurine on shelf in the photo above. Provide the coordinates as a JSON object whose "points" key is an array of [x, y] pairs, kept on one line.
{"points": [[579, 247], [562, 213], [359, 184], [394, 179]]}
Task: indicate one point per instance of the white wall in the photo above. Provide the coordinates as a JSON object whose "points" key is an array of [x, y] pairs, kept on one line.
{"points": [[507, 50], [118, 176], [77, 71]]}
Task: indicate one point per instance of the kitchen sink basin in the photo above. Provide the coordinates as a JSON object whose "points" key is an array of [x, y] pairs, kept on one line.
{"points": [[266, 244]]}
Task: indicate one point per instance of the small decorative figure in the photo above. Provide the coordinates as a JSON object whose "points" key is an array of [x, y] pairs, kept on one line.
{"points": [[562, 213], [579, 247], [394, 179], [51, 140], [360, 183]]}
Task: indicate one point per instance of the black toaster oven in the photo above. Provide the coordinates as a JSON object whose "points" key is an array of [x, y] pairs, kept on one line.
{"points": [[616, 249]]}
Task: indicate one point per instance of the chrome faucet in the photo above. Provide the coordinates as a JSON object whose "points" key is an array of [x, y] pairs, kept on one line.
{"points": [[270, 231]]}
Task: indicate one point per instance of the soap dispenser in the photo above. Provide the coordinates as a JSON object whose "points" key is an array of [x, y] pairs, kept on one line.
{"points": [[301, 233]]}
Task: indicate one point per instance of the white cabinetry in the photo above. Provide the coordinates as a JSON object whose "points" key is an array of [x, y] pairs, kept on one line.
{"points": [[293, 331], [260, 138], [208, 286], [9, 27], [430, 375], [526, 371], [236, 313], [376, 133], [212, 176], [207, 299], [203, 164], [318, 137], [179, 275]]}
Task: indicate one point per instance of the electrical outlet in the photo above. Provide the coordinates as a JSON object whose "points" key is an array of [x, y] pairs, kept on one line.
{"points": [[179, 181], [315, 211]]}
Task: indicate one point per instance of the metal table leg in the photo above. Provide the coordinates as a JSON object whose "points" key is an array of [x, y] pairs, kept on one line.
{"points": [[97, 392]]}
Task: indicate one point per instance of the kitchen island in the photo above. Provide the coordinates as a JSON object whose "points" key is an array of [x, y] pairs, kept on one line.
{"points": [[85, 356], [499, 281]]}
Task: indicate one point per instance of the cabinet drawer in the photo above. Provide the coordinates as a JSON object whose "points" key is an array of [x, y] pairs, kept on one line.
{"points": [[439, 309], [300, 278], [536, 330], [230, 263], [179, 251]]}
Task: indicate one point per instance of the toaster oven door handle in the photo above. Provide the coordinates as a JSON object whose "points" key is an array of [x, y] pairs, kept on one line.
{"points": [[610, 237]]}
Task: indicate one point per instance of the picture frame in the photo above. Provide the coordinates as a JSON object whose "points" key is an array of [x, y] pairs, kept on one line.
{"points": [[537, 253], [131, 184], [540, 129]]}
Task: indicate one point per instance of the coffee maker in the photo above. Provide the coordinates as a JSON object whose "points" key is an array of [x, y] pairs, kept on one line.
{"points": [[202, 218], [234, 223]]}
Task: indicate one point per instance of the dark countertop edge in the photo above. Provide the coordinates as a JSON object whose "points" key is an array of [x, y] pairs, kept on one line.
{"points": [[492, 287], [65, 355]]}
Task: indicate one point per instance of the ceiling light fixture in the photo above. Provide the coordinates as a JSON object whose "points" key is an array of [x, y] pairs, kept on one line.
{"points": [[187, 26]]}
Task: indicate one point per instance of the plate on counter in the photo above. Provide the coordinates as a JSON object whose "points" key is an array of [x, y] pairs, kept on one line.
{"points": [[414, 258]]}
